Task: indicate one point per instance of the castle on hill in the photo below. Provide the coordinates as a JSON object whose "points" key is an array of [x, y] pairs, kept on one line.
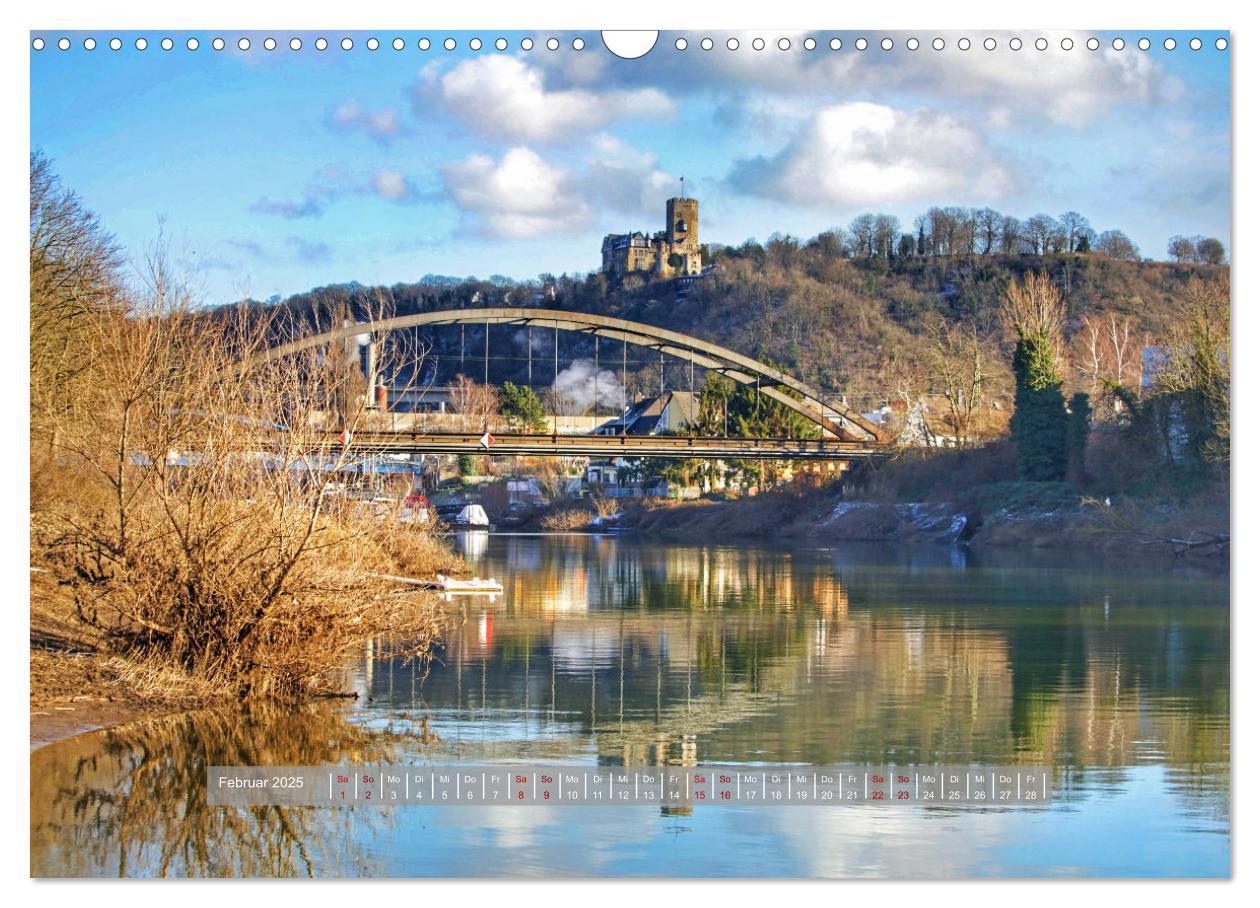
{"points": [[672, 252]]}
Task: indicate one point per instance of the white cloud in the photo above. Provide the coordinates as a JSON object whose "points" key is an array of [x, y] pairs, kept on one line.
{"points": [[381, 125], [1026, 87], [391, 185], [866, 154], [504, 98], [522, 195], [518, 196]]}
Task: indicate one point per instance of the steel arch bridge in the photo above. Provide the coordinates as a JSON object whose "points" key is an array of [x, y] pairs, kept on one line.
{"points": [[851, 434]]}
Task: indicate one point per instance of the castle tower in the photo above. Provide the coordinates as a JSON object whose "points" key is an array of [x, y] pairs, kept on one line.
{"points": [[682, 233]]}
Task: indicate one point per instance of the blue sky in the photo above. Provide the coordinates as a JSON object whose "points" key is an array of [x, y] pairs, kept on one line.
{"points": [[277, 171]]}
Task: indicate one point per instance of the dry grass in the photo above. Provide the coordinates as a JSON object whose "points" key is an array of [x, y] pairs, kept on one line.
{"points": [[566, 520]]}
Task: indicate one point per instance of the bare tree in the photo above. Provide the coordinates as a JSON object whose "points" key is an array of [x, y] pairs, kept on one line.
{"points": [[961, 369], [477, 405]]}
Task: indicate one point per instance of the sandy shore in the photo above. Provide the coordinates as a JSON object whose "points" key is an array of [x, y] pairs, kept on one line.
{"points": [[56, 723]]}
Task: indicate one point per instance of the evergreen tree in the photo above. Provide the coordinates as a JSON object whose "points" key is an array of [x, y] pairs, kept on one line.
{"points": [[522, 408]]}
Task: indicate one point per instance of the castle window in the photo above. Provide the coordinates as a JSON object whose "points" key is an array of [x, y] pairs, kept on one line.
{"points": [[681, 226]]}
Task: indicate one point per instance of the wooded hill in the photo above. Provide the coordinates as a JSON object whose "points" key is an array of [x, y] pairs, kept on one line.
{"points": [[852, 326]]}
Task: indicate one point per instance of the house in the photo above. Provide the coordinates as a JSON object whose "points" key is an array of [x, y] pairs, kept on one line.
{"points": [[660, 414]]}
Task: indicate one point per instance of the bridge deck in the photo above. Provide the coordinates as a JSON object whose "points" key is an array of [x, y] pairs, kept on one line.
{"points": [[616, 446]]}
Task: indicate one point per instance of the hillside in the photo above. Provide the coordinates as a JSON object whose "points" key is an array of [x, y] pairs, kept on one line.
{"points": [[851, 326]]}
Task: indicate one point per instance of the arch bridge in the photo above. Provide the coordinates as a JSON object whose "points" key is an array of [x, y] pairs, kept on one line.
{"points": [[845, 432]]}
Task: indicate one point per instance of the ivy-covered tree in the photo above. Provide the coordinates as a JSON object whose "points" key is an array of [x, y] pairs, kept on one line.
{"points": [[1079, 414], [1036, 312]]}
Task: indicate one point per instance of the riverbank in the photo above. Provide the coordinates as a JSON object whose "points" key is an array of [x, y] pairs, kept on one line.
{"points": [[77, 687], [997, 515]]}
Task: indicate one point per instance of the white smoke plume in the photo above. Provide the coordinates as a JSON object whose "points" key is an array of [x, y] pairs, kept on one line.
{"points": [[581, 386]]}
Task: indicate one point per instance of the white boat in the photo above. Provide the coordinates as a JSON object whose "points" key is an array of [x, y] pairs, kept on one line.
{"points": [[473, 515], [476, 585]]}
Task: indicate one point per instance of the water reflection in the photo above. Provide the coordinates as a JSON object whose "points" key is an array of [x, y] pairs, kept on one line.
{"points": [[612, 651]]}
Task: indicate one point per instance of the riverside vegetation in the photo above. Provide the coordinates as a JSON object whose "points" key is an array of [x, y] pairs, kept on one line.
{"points": [[181, 549]]}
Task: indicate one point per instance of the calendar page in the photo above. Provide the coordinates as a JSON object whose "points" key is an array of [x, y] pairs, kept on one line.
{"points": [[545, 454]]}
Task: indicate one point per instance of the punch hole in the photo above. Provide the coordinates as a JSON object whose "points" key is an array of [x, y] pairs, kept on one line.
{"points": [[912, 44], [398, 44], [964, 44], [64, 44], [346, 43], [141, 44], [192, 44], [579, 44], [861, 44], [218, 44], [475, 44], [732, 44], [886, 44], [938, 44], [167, 44], [449, 44], [269, 43], [527, 44], [810, 43], [785, 44], [1067, 44], [1041, 44], [115, 44], [990, 44], [758, 44], [89, 44], [1092, 44], [500, 44], [630, 44], [243, 44], [1117, 44], [1221, 44], [1016, 44], [680, 44], [423, 44], [836, 44], [373, 44], [1170, 44], [1195, 44], [553, 44], [38, 44], [1144, 43], [296, 44]]}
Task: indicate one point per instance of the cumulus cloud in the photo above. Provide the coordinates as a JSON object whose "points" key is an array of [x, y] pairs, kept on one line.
{"points": [[518, 196], [523, 195], [1065, 88], [865, 154], [505, 98], [381, 125]]}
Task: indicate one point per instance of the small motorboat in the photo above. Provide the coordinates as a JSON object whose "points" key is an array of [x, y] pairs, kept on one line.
{"points": [[476, 585]]}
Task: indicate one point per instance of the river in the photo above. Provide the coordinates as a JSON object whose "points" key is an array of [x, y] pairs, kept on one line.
{"points": [[616, 651]]}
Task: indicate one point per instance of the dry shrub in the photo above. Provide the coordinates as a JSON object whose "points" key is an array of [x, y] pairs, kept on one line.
{"points": [[566, 520], [186, 517], [606, 508]]}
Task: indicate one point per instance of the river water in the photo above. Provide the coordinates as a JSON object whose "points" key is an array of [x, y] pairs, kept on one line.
{"points": [[610, 650]]}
